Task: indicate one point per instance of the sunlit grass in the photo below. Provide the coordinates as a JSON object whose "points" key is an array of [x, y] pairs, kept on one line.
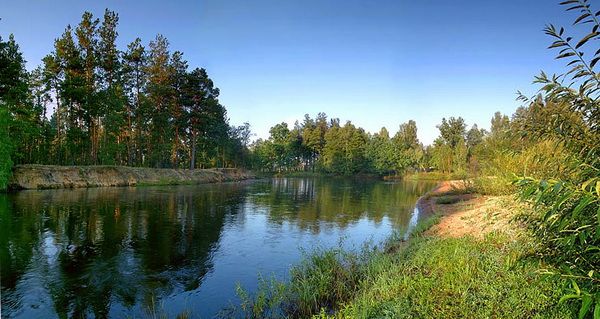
{"points": [[456, 278], [426, 277]]}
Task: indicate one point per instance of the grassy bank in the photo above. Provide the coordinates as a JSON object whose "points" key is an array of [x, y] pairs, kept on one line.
{"points": [[432, 176], [472, 262]]}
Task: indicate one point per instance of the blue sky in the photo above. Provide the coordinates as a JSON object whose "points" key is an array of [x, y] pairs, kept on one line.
{"points": [[376, 63]]}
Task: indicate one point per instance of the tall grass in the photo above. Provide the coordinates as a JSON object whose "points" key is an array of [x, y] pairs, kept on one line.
{"points": [[456, 278], [321, 282], [426, 277]]}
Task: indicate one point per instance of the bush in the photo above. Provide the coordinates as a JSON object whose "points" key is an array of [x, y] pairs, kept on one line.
{"points": [[567, 223]]}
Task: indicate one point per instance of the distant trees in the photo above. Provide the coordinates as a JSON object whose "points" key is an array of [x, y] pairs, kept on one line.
{"points": [[326, 146], [449, 151], [380, 151], [91, 103]]}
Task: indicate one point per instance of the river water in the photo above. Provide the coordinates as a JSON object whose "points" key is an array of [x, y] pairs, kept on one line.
{"points": [[118, 252]]}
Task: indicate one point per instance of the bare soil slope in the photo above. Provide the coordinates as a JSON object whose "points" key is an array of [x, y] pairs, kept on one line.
{"points": [[465, 214], [48, 176]]}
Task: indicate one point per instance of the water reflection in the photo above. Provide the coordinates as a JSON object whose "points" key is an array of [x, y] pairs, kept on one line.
{"points": [[314, 203], [113, 252]]}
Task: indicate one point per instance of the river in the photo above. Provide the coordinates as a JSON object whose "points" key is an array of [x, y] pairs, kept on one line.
{"points": [[117, 252]]}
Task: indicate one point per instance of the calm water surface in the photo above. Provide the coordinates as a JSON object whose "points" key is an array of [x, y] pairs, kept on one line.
{"points": [[115, 252]]}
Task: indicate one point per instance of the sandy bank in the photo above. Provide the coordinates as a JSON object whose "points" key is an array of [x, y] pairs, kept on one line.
{"points": [[48, 176], [466, 214]]}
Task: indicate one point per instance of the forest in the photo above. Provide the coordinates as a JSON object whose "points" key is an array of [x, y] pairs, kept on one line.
{"points": [[91, 103]]}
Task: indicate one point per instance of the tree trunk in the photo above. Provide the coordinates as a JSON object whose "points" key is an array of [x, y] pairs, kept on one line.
{"points": [[129, 137], [193, 157], [174, 151]]}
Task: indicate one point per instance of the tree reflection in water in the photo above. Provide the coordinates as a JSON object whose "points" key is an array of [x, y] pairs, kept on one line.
{"points": [[109, 252]]}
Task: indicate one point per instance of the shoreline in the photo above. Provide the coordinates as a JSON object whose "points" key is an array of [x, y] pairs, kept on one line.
{"points": [[463, 242], [27, 177], [427, 205]]}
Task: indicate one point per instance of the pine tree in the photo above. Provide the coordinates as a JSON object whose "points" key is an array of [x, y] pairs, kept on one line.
{"points": [[72, 95], [160, 95], [178, 77], [134, 81], [87, 41]]}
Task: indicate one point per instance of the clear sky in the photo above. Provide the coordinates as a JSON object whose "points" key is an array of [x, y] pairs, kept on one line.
{"points": [[376, 63]]}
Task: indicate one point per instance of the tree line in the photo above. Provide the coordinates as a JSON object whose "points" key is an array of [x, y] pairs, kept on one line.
{"points": [[324, 145], [92, 103]]}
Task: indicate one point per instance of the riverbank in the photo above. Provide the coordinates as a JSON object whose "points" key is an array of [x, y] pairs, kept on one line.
{"points": [[468, 259], [50, 176]]}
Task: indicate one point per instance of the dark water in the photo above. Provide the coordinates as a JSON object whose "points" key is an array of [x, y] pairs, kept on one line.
{"points": [[116, 252]]}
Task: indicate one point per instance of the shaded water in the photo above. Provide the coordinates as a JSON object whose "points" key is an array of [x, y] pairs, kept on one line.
{"points": [[116, 252]]}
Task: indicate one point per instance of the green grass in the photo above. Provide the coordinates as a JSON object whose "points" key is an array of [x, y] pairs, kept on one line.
{"points": [[433, 176], [426, 277], [456, 278], [447, 199], [494, 185]]}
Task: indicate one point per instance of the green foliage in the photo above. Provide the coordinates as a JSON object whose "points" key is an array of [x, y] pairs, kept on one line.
{"points": [[140, 107], [344, 151], [566, 193], [380, 150], [5, 150], [316, 145], [568, 219], [431, 176], [451, 150]]}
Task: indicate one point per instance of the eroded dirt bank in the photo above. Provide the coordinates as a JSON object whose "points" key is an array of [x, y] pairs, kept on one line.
{"points": [[48, 176]]}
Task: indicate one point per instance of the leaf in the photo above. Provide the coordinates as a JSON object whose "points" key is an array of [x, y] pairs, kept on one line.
{"points": [[594, 61], [583, 203], [597, 310], [587, 183], [580, 74], [585, 306], [557, 44], [568, 297], [586, 38], [568, 2], [564, 55], [575, 7], [581, 17], [598, 217]]}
